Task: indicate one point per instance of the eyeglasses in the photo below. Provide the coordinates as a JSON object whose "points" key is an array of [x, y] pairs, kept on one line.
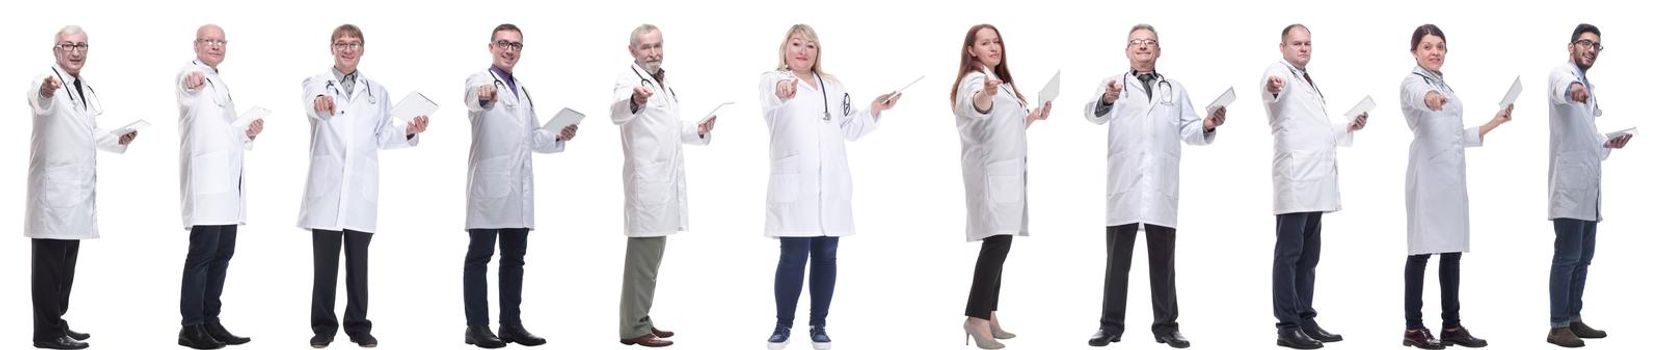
{"points": [[1144, 42], [82, 47], [509, 45], [1596, 46], [348, 46], [212, 42]]}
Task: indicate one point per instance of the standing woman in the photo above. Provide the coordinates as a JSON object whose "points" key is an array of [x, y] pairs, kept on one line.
{"points": [[809, 116], [993, 117], [1438, 211]]}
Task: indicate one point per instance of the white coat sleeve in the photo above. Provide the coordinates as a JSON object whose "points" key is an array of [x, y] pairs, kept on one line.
{"points": [[105, 140], [623, 96], [390, 132], [862, 122], [310, 89], [41, 105], [470, 96], [1091, 108], [1558, 85], [770, 101], [971, 85], [546, 141], [1414, 88], [1193, 128], [690, 136], [1264, 85]]}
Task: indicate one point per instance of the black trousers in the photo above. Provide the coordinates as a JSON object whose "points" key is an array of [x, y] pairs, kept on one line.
{"points": [[989, 276], [326, 253], [211, 248], [510, 274], [1298, 247], [1448, 276], [51, 274], [1162, 277]]}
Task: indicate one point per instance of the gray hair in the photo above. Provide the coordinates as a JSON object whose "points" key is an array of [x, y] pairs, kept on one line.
{"points": [[634, 35], [66, 31], [1143, 26]]}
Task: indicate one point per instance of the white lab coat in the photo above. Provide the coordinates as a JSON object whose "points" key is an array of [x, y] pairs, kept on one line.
{"points": [[1305, 170], [1144, 146], [1575, 167], [63, 161], [1438, 211], [499, 181], [994, 155], [343, 183], [809, 187], [654, 174], [211, 145]]}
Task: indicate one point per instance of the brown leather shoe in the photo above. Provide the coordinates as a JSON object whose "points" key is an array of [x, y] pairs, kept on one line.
{"points": [[1462, 337], [662, 333], [648, 340], [1420, 338], [1563, 336]]}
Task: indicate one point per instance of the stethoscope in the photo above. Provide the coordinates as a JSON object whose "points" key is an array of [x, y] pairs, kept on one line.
{"points": [[1434, 81], [500, 86], [332, 86], [1290, 68], [1164, 86], [96, 105], [648, 83]]}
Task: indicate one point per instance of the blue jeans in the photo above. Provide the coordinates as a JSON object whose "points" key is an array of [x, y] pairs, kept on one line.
{"points": [[1571, 254], [794, 253]]}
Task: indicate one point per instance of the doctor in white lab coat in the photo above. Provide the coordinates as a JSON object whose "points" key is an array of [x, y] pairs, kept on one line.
{"points": [[1574, 183], [809, 117], [1149, 117], [499, 188], [60, 201], [654, 178], [1305, 173], [212, 193], [1438, 213], [993, 117], [351, 119]]}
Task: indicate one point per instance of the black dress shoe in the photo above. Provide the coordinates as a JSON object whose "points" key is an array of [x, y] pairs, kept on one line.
{"points": [[1564, 337], [1420, 338], [63, 342], [219, 333], [364, 340], [196, 337], [321, 341], [1460, 336], [516, 333], [1295, 338], [76, 335], [481, 336], [1583, 331], [1316, 332], [1174, 339], [1102, 338]]}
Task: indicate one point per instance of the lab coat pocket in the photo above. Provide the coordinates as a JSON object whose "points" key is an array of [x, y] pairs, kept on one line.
{"points": [[1004, 181], [1165, 175], [210, 173], [65, 187], [650, 191], [1573, 174], [493, 180], [782, 180]]}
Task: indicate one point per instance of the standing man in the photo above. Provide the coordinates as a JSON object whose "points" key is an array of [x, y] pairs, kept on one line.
{"points": [[1306, 177], [351, 119], [499, 188], [211, 190], [1574, 177], [1152, 117], [62, 191], [654, 178]]}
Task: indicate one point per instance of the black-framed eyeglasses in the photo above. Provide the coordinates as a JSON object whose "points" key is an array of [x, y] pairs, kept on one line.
{"points": [[1144, 42], [1596, 46], [66, 46], [507, 45], [347, 46]]}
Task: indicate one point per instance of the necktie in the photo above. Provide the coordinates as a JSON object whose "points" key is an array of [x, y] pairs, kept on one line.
{"points": [[1148, 81], [81, 93]]}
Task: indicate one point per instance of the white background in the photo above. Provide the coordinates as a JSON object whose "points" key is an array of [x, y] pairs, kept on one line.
{"points": [[903, 278]]}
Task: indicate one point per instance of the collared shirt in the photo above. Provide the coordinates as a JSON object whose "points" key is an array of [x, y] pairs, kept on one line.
{"points": [[513, 84], [347, 81]]}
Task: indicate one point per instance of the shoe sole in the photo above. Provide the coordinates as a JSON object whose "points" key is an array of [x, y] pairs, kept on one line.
{"points": [[1409, 344], [778, 346], [1174, 345], [1286, 344], [184, 344], [822, 346]]}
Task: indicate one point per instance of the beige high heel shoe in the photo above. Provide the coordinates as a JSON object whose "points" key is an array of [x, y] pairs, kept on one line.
{"points": [[982, 340], [998, 332]]}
